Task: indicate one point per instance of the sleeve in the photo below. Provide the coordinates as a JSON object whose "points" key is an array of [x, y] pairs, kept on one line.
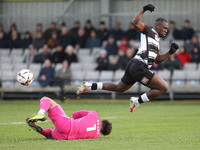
{"points": [[80, 114], [145, 29]]}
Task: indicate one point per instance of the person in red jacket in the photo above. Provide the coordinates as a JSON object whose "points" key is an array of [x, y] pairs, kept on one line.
{"points": [[184, 56]]}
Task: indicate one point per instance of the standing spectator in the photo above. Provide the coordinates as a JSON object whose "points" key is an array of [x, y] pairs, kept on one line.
{"points": [[124, 43], [3, 41], [29, 57], [75, 29], [117, 32], [59, 55], [187, 31], [172, 63], [65, 38], [48, 32], [45, 54], [195, 55], [15, 41], [102, 33], [102, 61], [113, 65], [39, 41], [132, 33], [172, 33], [27, 40], [53, 41], [80, 40], [70, 56], [93, 41], [129, 54], [39, 28], [88, 28], [46, 75], [193, 43], [111, 47], [183, 56]]}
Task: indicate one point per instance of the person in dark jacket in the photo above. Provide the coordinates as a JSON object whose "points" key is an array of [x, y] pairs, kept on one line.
{"points": [[27, 40], [132, 33], [58, 56], [39, 41], [65, 38], [102, 61], [195, 55], [102, 33], [172, 63], [111, 47], [3, 41], [70, 56]]}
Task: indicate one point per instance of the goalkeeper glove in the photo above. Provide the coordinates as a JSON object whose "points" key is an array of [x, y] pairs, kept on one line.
{"points": [[173, 48], [149, 7]]}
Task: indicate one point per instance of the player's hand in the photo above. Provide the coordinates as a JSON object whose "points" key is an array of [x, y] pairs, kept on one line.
{"points": [[149, 7], [173, 48]]}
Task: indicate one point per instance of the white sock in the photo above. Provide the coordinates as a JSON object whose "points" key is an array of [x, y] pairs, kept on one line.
{"points": [[99, 85], [42, 112], [144, 97]]}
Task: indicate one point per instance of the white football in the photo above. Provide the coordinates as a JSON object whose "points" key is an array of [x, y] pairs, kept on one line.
{"points": [[25, 77]]}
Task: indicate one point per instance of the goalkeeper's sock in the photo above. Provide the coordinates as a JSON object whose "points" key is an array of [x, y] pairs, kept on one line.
{"points": [[44, 106], [96, 86], [143, 98], [46, 132]]}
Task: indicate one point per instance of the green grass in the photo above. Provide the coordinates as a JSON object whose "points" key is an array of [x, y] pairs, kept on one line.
{"points": [[153, 126]]}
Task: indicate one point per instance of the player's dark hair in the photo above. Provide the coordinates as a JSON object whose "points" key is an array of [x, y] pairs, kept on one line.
{"points": [[160, 20], [106, 127]]}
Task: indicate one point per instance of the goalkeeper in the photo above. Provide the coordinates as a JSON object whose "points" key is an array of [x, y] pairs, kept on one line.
{"points": [[137, 69]]}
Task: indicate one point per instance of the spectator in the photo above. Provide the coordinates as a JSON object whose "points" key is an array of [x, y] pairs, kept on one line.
{"points": [[45, 54], [132, 33], [117, 31], [75, 29], [93, 41], [2, 30], [183, 56], [195, 55], [124, 43], [129, 54], [27, 40], [48, 32], [80, 40], [15, 41], [53, 41], [70, 56], [102, 33], [29, 57], [39, 41], [111, 47], [172, 33], [39, 28], [121, 54], [46, 75], [65, 38], [172, 63], [3, 41], [62, 26], [187, 32], [88, 28], [59, 55], [102, 61], [113, 65], [193, 43], [13, 28]]}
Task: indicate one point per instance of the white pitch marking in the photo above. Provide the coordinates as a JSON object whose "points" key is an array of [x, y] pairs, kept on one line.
{"points": [[19, 123]]}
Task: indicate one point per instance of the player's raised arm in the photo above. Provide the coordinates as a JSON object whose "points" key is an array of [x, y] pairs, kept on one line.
{"points": [[136, 21]]}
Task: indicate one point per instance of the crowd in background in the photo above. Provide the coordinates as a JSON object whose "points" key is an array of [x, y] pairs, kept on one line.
{"points": [[67, 42]]}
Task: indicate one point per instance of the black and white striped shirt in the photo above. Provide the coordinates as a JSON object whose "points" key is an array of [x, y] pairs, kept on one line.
{"points": [[149, 46]]}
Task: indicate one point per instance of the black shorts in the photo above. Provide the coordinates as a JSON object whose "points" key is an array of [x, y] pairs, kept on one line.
{"points": [[137, 71]]}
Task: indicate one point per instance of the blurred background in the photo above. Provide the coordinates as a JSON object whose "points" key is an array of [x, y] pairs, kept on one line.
{"points": [[69, 41]]}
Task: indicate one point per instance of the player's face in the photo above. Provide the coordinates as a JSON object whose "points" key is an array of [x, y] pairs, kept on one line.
{"points": [[162, 29]]}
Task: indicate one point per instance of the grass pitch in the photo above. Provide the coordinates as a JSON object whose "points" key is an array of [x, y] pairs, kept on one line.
{"points": [[152, 126]]}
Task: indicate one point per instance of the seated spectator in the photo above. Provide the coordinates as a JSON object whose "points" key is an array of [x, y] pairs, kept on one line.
{"points": [[27, 40], [117, 32], [187, 31], [47, 34], [15, 41], [88, 28], [111, 47], [132, 33], [121, 54], [59, 55], [172, 63], [46, 76], [102, 33], [39, 28], [65, 38], [93, 41], [2, 30], [102, 61], [13, 28], [3, 41], [45, 54], [70, 56], [62, 26], [193, 43], [80, 40], [53, 41], [183, 56], [75, 29], [39, 41], [113, 65], [195, 55], [172, 33], [124, 43], [129, 54], [29, 57], [156, 67]]}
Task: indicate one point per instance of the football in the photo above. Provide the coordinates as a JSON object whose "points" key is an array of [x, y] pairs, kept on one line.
{"points": [[25, 77]]}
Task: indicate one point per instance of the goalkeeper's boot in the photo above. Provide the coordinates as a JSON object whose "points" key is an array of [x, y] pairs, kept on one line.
{"points": [[133, 103], [33, 125], [37, 117], [84, 87]]}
